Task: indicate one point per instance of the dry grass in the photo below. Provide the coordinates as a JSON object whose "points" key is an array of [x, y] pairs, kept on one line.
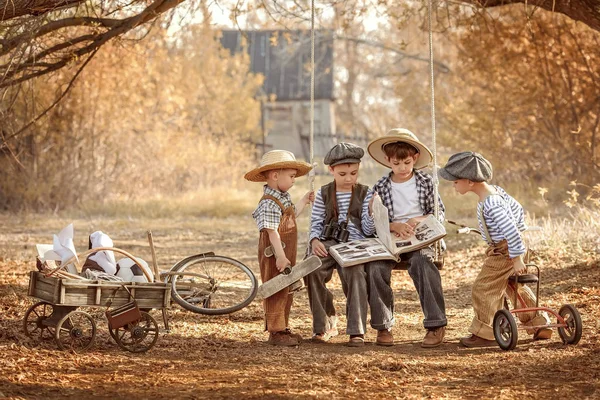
{"points": [[225, 357]]}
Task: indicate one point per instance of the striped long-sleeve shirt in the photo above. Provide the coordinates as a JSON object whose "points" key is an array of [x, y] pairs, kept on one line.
{"points": [[505, 219], [317, 220]]}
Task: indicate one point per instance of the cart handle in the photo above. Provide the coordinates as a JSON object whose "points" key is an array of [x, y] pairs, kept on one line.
{"points": [[83, 256]]}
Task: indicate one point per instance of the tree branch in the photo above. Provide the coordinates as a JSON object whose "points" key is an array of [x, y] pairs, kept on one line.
{"points": [[586, 11], [63, 94]]}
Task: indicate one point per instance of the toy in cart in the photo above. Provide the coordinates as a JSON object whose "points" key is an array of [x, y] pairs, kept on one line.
{"points": [[506, 326]]}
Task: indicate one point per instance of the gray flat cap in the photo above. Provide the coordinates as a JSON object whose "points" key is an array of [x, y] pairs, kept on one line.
{"points": [[343, 153], [467, 165]]}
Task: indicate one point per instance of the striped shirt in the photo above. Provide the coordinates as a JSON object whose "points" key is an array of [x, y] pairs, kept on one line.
{"points": [[505, 220], [317, 220], [268, 214]]}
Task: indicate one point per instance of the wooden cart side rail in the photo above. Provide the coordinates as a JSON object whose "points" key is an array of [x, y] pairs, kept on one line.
{"points": [[97, 293]]}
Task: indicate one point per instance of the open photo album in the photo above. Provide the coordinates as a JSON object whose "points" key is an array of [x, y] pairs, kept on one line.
{"points": [[386, 246]]}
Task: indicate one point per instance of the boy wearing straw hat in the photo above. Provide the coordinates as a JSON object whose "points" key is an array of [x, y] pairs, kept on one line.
{"points": [[275, 217], [340, 213], [501, 220], [408, 195]]}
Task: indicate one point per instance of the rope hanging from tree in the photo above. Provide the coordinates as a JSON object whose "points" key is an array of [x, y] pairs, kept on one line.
{"points": [[436, 204]]}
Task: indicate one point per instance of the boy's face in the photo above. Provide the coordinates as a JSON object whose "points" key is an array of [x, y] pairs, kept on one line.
{"points": [[345, 176], [285, 179], [403, 169], [462, 186]]}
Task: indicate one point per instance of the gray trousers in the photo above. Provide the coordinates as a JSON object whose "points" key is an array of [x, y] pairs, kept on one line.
{"points": [[427, 280], [354, 284]]}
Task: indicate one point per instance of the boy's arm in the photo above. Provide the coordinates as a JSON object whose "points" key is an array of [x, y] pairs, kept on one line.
{"points": [[508, 228], [307, 198], [281, 259], [317, 218], [367, 220]]}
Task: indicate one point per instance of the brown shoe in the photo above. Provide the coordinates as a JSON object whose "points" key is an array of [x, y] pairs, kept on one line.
{"points": [[476, 341], [542, 334], [385, 338], [283, 338], [356, 341], [294, 335], [434, 337]]}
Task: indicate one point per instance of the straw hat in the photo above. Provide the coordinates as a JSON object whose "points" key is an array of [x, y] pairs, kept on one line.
{"points": [[277, 159], [375, 148]]}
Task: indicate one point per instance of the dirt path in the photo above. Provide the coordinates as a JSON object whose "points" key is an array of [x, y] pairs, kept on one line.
{"points": [[223, 357]]}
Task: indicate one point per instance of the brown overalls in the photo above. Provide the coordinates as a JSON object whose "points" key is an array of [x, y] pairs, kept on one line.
{"points": [[277, 307]]}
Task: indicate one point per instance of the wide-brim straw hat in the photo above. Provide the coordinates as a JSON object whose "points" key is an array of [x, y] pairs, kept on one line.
{"points": [[375, 147], [277, 159]]}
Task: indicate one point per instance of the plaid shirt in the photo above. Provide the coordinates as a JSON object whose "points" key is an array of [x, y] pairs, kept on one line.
{"points": [[425, 192], [268, 214]]}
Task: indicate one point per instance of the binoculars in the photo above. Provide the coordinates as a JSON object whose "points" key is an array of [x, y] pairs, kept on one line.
{"points": [[337, 231]]}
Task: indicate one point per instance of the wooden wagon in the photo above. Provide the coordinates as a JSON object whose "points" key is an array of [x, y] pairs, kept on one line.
{"points": [[57, 316]]}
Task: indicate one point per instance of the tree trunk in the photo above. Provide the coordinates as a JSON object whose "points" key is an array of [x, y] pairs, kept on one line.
{"points": [[586, 11]]}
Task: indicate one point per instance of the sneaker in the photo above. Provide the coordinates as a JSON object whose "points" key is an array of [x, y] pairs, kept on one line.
{"points": [[321, 337], [356, 341], [476, 341], [385, 338], [434, 337], [283, 338]]}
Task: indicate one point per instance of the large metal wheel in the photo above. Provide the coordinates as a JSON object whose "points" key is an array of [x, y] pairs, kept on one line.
{"points": [[33, 322], [76, 331], [505, 330], [212, 285], [139, 336], [571, 334]]}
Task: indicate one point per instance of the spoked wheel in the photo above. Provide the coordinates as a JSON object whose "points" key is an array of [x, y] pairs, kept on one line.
{"points": [[75, 331], [33, 323], [505, 330], [212, 285], [139, 336], [571, 334]]}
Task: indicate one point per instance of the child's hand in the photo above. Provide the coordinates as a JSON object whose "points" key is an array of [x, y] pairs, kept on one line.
{"points": [[400, 229], [281, 263], [371, 203], [413, 222], [309, 197], [318, 248], [518, 265]]}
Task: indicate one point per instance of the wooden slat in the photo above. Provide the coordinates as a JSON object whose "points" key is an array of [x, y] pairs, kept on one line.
{"points": [[44, 295]]}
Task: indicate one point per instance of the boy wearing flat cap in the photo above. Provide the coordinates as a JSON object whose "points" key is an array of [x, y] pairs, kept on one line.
{"points": [[340, 213], [408, 195], [275, 217], [501, 220]]}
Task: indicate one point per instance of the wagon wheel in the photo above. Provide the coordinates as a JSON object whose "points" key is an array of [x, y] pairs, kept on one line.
{"points": [[505, 330], [33, 323], [139, 336], [571, 334], [75, 331]]}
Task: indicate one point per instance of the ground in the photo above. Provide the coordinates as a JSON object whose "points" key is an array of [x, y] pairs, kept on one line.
{"points": [[225, 356]]}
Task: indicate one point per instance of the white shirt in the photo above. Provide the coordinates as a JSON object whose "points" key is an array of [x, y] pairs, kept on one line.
{"points": [[405, 198]]}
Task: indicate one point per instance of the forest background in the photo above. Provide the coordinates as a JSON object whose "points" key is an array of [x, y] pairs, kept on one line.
{"points": [[156, 118]]}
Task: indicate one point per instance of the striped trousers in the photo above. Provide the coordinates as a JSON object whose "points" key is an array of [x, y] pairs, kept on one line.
{"points": [[488, 292]]}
